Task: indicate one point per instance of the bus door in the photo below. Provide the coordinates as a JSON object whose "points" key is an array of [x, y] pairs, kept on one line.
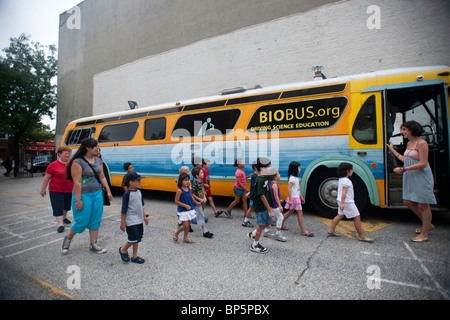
{"points": [[425, 102]]}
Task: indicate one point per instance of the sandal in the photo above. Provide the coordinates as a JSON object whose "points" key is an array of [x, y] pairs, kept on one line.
{"points": [[417, 239], [138, 260], [175, 237], [419, 230], [187, 240], [365, 239], [310, 234], [333, 234], [284, 228], [125, 257]]}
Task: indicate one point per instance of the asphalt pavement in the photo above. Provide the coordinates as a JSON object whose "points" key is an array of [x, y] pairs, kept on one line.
{"points": [[222, 268]]}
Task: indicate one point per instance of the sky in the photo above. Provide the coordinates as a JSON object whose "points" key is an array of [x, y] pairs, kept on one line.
{"points": [[38, 18]]}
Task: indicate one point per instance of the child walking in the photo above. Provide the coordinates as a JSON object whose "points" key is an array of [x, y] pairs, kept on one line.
{"points": [[128, 167], [295, 200], [133, 217], [240, 191], [262, 204], [207, 185], [186, 207], [198, 193], [346, 203], [277, 208], [246, 222]]}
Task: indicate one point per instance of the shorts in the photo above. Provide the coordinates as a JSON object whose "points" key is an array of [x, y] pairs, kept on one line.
{"points": [[60, 202], [263, 218], [91, 216], [238, 192], [135, 233], [186, 215], [208, 192], [350, 210], [296, 204]]}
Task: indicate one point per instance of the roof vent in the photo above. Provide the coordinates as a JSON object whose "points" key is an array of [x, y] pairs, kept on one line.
{"points": [[318, 73], [238, 90], [133, 105], [232, 91]]}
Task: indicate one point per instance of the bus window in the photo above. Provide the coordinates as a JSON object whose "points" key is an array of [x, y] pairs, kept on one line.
{"points": [[75, 137], [206, 124], [365, 127], [155, 129], [121, 132]]}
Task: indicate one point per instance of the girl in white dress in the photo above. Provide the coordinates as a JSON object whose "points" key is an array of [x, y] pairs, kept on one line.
{"points": [[346, 203]]}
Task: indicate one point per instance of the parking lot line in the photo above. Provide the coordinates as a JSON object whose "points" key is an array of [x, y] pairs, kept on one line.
{"points": [[49, 289], [413, 257], [427, 272], [32, 248]]}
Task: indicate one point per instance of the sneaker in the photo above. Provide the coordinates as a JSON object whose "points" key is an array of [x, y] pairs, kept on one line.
{"points": [[267, 234], [250, 235], [218, 213], [67, 221], [208, 234], [96, 248], [60, 229], [247, 224], [228, 214], [280, 237], [194, 221], [258, 248], [66, 245]]}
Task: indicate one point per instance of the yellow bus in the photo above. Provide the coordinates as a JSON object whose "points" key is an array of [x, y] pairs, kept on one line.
{"points": [[318, 123]]}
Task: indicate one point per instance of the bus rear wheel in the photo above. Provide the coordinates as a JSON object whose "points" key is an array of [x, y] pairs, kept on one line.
{"points": [[323, 189]]}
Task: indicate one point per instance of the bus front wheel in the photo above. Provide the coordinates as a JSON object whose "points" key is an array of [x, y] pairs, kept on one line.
{"points": [[323, 189]]}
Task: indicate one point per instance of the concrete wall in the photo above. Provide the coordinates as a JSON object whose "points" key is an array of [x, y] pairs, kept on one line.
{"points": [[161, 51]]}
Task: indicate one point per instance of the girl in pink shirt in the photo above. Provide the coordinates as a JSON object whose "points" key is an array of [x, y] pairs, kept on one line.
{"points": [[240, 190]]}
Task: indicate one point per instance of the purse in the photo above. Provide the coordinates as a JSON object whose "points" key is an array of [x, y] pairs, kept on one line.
{"points": [[106, 201]]}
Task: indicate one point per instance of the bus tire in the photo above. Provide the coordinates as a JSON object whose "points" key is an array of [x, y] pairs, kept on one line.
{"points": [[323, 189]]}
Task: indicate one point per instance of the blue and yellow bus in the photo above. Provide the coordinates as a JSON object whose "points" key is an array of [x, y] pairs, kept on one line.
{"points": [[318, 123]]}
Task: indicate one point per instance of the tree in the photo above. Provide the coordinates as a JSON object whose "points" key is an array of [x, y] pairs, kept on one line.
{"points": [[27, 92]]}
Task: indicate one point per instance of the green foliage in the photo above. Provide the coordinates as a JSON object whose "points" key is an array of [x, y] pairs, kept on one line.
{"points": [[27, 86]]}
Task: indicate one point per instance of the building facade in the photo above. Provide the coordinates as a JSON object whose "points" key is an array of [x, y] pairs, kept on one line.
{"points": [[158, 51]]}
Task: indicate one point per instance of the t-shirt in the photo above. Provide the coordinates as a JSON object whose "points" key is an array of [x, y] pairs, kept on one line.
{"points": [[240, 175], [58, 182], [89, 182], [295, 190], [261, 188], [198, 189], [252, 185], [346, 182], [205, 180], [133, 207]]}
